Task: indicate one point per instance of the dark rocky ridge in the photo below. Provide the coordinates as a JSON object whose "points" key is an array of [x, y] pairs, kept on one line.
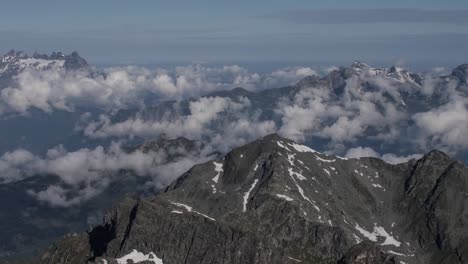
{"points": [[273, 201]]}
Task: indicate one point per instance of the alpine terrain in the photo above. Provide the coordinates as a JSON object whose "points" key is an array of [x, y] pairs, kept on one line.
{"points": [[234, 132], [276, 201]]}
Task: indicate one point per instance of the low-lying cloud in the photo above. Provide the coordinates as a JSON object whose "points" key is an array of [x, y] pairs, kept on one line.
{"points": [[371, 115], [370, 110], [121, 87], [87, 172], [220, 122]]}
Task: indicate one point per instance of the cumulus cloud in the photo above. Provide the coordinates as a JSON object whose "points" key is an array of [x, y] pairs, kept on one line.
{"points": [[359, 152], [302, 113], [119, 87], [315, 111], [221, 122], [368, 108], [12, 165], [372, 106], [87, 172], [446, 126]]}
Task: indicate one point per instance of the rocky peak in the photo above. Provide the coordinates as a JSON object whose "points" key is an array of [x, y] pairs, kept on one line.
{"points": [[15, 62], [75, 62], [277, 201], [235, 92], [20, 60], [461, 72], [437, 155], [403, 75], [358, 65]]}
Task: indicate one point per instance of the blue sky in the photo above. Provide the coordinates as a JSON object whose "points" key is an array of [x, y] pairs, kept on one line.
{"points": [[423, 32]]}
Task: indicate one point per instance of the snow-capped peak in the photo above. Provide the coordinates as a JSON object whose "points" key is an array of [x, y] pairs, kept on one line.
{"points": [[14, 62], [403, 75]]}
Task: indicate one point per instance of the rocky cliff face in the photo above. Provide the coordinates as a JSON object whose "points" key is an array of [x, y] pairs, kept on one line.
{"points": [[275, 201]]}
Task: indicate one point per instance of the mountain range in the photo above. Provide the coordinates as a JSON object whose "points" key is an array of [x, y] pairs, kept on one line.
{"points": [[207, 178], [276, 201], [386, 109], [14, 62]]}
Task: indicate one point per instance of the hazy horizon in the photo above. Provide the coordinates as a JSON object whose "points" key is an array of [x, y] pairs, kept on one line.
{"points": [[423, 34]]}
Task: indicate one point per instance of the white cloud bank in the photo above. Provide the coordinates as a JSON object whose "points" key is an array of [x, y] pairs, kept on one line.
{"points": [[87, 172], [370, 108], [220, 122], [120, 87]]}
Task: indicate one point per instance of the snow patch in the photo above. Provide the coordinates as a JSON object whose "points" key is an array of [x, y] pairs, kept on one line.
{"points": [[291, 159], [360, 173], [324, 160], [190, 210], [282, 146], [247, 194], [297, 174], [294, 259], [301, 191], [357, 239], [138, 257], [176, 212], [378, 186], [395, 253], [219, 171], [285, 197], [378, 232], [301, 148]]}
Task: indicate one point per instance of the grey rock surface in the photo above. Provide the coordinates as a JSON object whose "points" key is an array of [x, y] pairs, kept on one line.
{"points": [[275, 201]]}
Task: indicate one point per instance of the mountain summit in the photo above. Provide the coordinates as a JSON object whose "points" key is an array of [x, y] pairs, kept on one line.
{"points": [[15, 62], [276, 201]]}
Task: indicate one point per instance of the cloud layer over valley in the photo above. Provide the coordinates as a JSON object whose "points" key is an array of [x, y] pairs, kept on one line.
{"points": [[354, 111], [87, 172], [122, 87]]}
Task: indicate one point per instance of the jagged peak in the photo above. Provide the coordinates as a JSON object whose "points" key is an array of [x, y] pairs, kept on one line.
{"points": [[461, 72], [19, 60], [273, 137], [164, 142], [240, 90], [235, 92], [360, 64], [396, 69], [436, 154]]}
